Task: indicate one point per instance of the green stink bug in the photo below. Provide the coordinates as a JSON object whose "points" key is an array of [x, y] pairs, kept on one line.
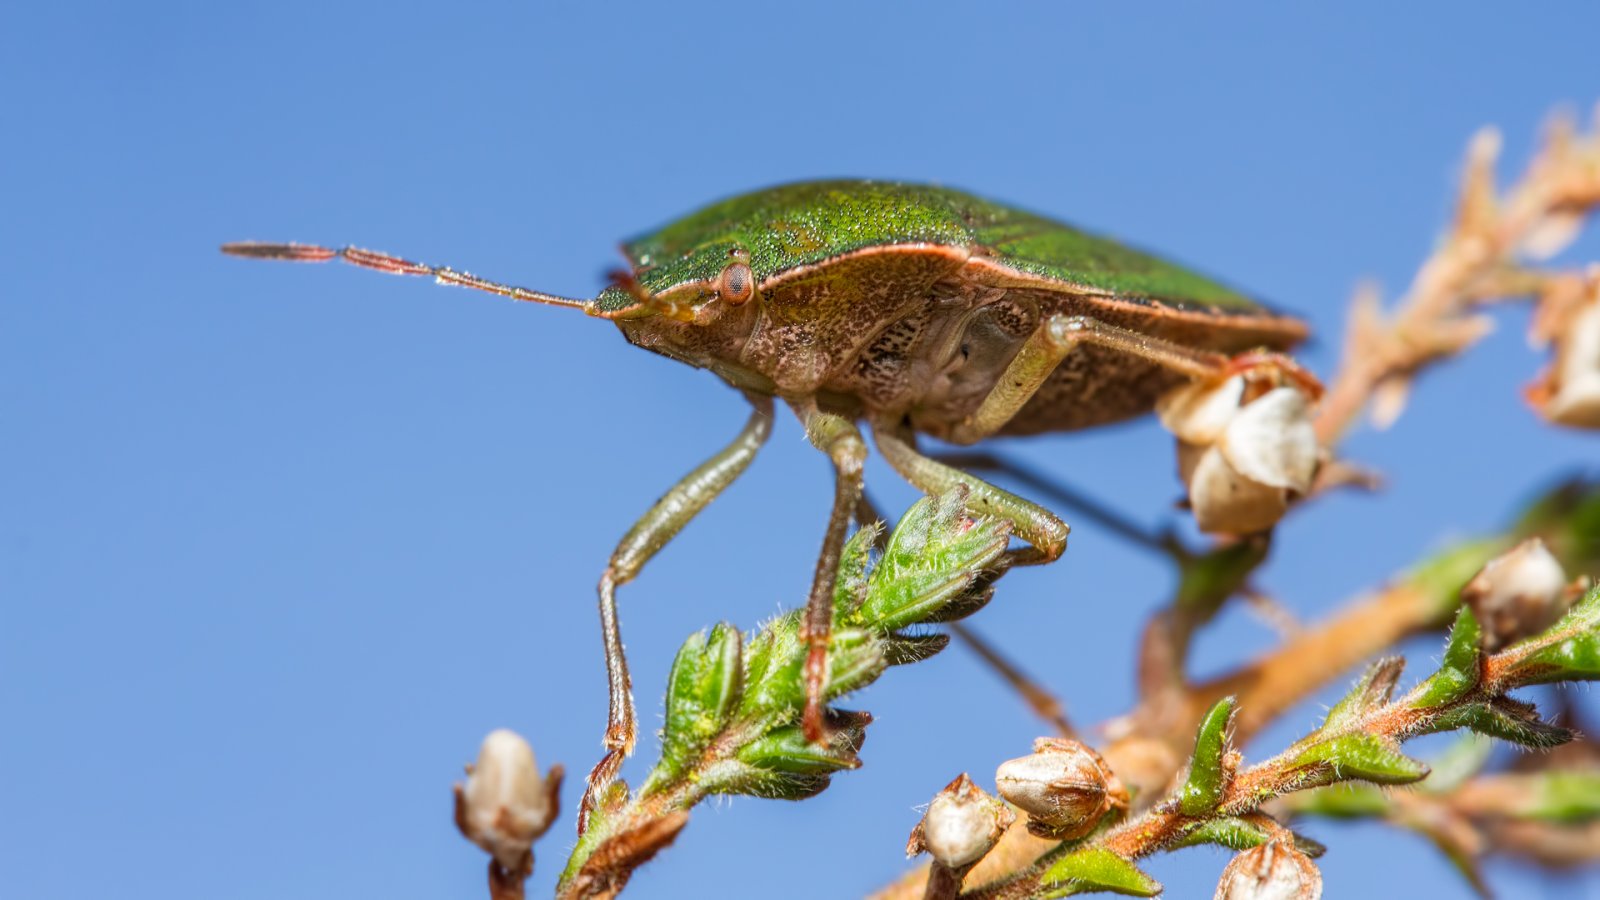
{"points": [[915, 309]]}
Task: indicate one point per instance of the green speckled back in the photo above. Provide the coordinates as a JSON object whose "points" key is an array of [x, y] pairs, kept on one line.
{"points": [[809, 222]]}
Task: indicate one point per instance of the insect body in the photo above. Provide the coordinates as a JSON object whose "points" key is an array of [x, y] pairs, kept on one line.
{"points": [[914, 309]]}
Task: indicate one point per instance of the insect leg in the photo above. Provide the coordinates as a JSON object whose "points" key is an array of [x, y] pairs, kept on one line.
{"points": [[841, 440], [1038, 483], [1044, 704], [1049, 345], [653, 531], [1029, 521]]}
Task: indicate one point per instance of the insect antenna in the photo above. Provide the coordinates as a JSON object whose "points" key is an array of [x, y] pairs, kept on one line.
{"points": [[394, 265]]}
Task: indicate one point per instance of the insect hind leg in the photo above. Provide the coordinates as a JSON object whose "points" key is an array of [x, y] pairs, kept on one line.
{"points": [[1049, 344]]}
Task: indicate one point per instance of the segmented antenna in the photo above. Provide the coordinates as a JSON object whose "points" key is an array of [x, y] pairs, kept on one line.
{"points": [[394, 265]]}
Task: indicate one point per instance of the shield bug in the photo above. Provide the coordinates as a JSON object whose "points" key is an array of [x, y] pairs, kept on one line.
{"points": [[913, 309]]}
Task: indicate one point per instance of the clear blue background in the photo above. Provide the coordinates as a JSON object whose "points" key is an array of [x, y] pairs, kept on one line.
{"points": [[279, 545]]}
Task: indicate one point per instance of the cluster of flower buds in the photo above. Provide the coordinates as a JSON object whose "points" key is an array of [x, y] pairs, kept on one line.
{"points": [[1519, 593], [505, 806], [962, 824], [1063, 786], [1272, 871], [1246, 444], [1569, 318]]}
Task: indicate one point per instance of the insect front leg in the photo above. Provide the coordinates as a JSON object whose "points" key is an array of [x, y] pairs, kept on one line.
{"points": [[1040, 527], [653, 531], [1049, 344], [841, 440]]}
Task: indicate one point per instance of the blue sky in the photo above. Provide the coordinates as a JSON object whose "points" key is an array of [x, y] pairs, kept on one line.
{"points": [[279, 545]]}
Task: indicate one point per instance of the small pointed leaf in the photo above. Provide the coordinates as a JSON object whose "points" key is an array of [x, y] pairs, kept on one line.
{"points": [[1209, 772], [1461, 668], [1506, 719], [850, 587], [1364, 757], [1242, 834], [1370, 692], [702, 690], [1097, 869], [933, 556], [788, 750], [1568, 651]]}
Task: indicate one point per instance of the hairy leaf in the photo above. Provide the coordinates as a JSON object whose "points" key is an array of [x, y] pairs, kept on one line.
{"points": [[1209, 770]]}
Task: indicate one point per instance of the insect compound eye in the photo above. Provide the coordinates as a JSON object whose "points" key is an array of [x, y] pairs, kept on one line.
{"points": [[736, 284]]}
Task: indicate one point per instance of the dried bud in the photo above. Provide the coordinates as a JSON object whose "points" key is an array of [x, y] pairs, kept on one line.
{"points": [[1246, 445], [1519, 593], [961, 825], [1569, 393], [505, 806], [1064, 787], [1272, 871]]}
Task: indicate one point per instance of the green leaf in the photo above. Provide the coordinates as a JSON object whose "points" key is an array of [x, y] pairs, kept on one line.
{"points": [[783, 765], [1363, 757], [855, 660], [1563, 796], [787, 750], [1209, 772], [933, 556], [1506, 719], [702, 691], [1461, 668], [1096, 869], [850, 588], [1206, 581], [771, 666], [1568, 651], [1242, 834], [1371, 691]]}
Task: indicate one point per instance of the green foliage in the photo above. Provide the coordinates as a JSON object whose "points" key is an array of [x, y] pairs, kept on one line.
{"points": [[1241, 834], [1568, 651], [1563, 796], [734, 702], [1504, 718], [1360, 756], [1209, 770], [1206, 581], [1092, 869], [705, 686], [931, 559], [1461, 667], [1373, 690]]}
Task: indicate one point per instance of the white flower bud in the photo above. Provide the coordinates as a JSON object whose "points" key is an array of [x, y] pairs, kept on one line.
{"points": [[505, 806], [1244, 454], [962, 824], [1064, 787], [1519, 593], [1270, 872], [1570, 394]]}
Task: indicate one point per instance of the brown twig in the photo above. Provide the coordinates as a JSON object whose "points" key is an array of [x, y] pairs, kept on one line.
{"points": [[1479, 262]]}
